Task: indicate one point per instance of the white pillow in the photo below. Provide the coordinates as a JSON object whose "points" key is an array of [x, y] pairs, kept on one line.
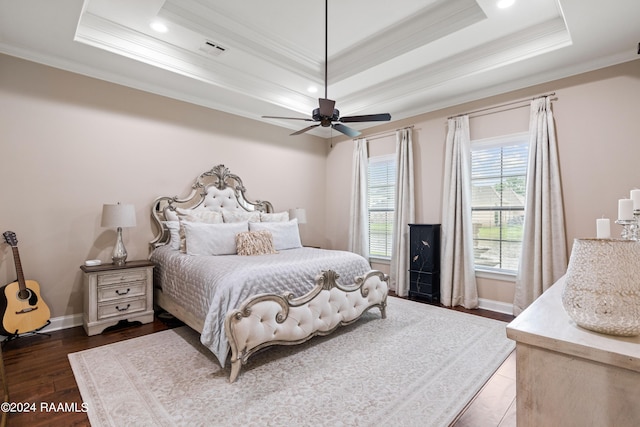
{"points": [[285, 234], [199, 215], [240, 216], [212, 239], [274, 217], [174, 232]]}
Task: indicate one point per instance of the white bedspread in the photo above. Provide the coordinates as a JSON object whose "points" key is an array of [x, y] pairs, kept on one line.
{"points": [[210, 286]]}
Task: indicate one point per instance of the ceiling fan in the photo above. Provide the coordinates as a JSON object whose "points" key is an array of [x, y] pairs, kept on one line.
{"points": [[326, 115]]}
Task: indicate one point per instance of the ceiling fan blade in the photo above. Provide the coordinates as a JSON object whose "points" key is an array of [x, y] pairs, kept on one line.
{"points": [[346, 130], [288, 118], [305, 129], [367, 118], [326, 107]]}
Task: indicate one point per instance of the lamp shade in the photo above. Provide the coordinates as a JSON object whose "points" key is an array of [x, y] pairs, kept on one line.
{"points": [[602, 286], [118, 215], [298, 213]]}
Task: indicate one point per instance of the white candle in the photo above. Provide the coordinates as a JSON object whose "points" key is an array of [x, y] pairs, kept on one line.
{"points": [[635, 196], [603, 228], [625, 209]]}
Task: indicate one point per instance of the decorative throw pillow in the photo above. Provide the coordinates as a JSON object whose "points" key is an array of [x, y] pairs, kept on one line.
{"points": [[240, 216], [285, 234], [212, 239], [274, 217], [255, 243]]}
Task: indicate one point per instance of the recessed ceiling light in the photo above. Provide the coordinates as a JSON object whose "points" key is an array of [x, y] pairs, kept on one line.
{"points": [[312, 89], [503, 4], [159, 27]]}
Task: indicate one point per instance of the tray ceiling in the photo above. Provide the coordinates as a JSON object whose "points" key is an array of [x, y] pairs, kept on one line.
{"points": [[255, 58]]}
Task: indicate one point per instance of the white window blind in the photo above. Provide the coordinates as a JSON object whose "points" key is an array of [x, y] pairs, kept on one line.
{"points": [[381, 203], [498, 184]]}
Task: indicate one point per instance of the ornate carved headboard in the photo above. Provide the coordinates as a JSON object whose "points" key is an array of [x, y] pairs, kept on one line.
{"points": [[217, 189]]}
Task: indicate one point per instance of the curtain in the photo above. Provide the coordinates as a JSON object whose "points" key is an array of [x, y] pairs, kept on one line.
{"points": [[359, 212], [404, 213], [544, 249], [458, 279]]}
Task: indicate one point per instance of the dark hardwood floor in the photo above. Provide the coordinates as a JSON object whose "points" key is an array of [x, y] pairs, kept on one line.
{"points": [[477, 311], [38, 370]]}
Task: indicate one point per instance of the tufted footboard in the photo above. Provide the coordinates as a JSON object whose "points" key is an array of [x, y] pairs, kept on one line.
{"points": [[269, 319]]}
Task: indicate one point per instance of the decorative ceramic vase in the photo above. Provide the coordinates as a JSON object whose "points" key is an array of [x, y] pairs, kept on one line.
{"points": [[602, 286]]}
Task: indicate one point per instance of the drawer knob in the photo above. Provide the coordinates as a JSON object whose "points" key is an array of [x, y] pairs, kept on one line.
{"points": [[123, 308], [122, 293]]}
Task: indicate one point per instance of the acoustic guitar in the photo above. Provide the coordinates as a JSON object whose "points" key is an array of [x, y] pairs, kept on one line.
{"points": [[21, 305]]}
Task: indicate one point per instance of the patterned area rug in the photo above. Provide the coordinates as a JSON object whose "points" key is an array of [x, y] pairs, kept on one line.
{"points": [[418, 367]]}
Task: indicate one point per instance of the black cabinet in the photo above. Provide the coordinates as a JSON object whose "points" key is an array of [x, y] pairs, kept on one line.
{"points": [[424, 261]]}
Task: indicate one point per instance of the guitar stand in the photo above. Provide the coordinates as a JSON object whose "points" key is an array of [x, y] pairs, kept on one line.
{"points": [[16, 335]]}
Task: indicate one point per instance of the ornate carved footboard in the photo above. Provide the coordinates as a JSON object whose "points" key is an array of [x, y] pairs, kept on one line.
{"points": [[267, 319]]}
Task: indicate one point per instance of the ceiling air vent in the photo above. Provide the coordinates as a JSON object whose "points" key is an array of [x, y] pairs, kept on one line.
{"points": [[211, 48]]}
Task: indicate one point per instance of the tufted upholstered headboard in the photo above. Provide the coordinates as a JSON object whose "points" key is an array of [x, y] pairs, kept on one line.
{"points": [[217, 189]]}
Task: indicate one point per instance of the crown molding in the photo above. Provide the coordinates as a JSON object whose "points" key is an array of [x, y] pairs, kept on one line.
{"points": [[112, 37], [536, 40], [212, 22], [430, 23]]}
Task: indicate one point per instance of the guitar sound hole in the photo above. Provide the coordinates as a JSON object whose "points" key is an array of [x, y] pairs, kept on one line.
{"points": [[24, 294]]}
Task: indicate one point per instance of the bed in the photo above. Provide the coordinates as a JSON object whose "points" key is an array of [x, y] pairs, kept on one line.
{"points": [[235, 270]]}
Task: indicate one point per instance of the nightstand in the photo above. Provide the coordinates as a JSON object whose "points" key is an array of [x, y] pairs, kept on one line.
{"points": [[113, 293]]}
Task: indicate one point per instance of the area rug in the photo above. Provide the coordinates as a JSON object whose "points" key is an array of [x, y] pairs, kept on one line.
{"points": [[418, 367]]}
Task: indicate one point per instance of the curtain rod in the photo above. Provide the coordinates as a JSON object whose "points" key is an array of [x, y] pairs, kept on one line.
{"points": [[384, 133], [506, 104]]}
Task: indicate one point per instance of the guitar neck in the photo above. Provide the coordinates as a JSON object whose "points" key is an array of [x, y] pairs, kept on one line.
{"points": [[19, 272]]}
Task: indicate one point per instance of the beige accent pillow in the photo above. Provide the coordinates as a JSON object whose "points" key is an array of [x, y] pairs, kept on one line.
{"points": [[255, 243]]}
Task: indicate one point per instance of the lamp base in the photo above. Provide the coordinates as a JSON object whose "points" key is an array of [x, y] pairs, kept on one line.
{"points": [[119, 256]]}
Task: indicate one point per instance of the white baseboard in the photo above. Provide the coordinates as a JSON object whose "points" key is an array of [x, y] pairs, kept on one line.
{"points": [[497, 306], [64, 322], [58, 323]]}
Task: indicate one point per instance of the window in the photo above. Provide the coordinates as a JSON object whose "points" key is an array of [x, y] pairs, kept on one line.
{"points": [[498, 184], [381, 184]]}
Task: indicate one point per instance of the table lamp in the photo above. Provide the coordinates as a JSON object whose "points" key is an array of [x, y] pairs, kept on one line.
{"points": [[118, 216], [298, 213]]}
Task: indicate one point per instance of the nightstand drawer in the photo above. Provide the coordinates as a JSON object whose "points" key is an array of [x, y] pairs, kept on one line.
{"points": [[125, 290], [122, 276], [121, 308]]}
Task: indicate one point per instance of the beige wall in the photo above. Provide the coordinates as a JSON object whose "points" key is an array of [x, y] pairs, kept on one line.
{"points": [[69, 143], [598, 133]]}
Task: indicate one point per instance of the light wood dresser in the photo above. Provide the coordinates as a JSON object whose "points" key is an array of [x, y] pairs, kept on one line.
{"points": [[570, 376]]}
